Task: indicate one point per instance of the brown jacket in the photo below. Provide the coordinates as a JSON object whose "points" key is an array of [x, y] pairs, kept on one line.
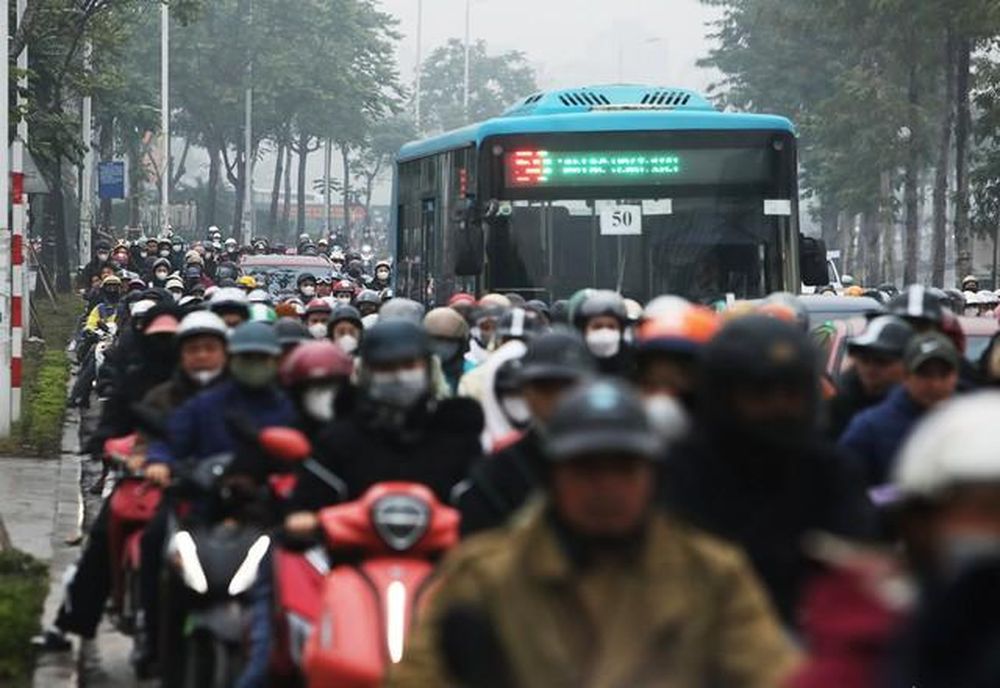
{"points": [[689, 614]]}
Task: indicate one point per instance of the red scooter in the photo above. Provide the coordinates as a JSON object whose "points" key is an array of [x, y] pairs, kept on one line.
{"points": [[133, 502], [354, 601]]}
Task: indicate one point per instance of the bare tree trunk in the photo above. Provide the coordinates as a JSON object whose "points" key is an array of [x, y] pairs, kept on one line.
{"points": [[849, 256], [940, 194], [829, 229], [286, 208], [303, 153], [213, 186], [106, 147], [963, 126], [888, 230], [911, 250], [345, 152], [870, 237], [272, 215]]}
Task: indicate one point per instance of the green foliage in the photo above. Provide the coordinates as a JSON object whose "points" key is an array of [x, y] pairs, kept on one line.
{"points": [[23, 586], [495, 82]]}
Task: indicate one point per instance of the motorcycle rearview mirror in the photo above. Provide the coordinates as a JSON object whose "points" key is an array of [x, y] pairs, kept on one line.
{"points": [[286, 444]]}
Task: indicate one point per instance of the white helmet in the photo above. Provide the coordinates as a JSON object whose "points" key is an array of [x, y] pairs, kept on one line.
{"points": [[665, 306], [955, 445], [141, 307], [987, 297], [201, 322], [368, 322], [229, 295], [259, 296]]}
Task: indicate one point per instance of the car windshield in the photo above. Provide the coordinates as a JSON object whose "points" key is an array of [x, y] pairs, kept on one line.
{"points": [[281, 279], [705, 248]]}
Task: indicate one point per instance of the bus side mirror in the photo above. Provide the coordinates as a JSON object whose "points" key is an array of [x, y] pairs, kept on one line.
{"points": [[469, 240], [812, 262]]}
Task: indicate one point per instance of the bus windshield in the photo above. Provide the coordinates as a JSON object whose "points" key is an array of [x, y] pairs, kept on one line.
{"points": [[706, 248]]}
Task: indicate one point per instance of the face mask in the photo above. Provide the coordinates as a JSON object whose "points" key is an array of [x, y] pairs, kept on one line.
{"points": [[402, 388], [177, 295], [445, 349], [177, 248], [308, 290], [382, 274], [253, 374], [347, 343], [203, 378], [162, 274], [102, 256], [344, 299], [517, 411], [318, 403], [318, 330], [165, 253], [667, 415], [604, 343], [143, 254]]}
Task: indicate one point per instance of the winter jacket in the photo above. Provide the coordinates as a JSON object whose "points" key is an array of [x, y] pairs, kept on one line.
{"points": [[684, 611], [765, 498], [874, 436], [435, 448], [500, 484], [851, 399]]}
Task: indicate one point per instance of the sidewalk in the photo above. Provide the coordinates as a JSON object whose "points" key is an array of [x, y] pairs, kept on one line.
{"points": [[41, 507]]}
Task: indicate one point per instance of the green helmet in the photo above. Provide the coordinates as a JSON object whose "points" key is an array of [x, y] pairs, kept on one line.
{"points": [[262, 312]]}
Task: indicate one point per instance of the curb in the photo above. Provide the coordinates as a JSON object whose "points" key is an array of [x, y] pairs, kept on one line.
{"points": [[61, 669]]}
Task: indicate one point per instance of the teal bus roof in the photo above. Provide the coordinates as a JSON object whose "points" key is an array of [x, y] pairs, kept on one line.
{"points": [[641, 120]]}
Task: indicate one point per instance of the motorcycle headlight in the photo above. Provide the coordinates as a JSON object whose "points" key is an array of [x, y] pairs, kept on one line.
{"points": [[246, 574], [182, 545], [400, 520]]}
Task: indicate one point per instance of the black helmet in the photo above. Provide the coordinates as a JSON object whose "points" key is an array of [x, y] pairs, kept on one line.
{"points": [[518, 323], [342, 312], [758, 351], [603, 302], [369, 296], [303, 277], [557, 355], [886, 335], [916, 302], [395, 340], [603, 415], [560, 312], [254, 338], [540, 307], [291, 331]]}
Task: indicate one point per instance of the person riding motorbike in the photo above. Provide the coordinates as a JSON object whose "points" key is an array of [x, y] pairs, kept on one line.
{"points": [[160, 273], [500, 484], [397, 426], [592, 585], [314, 375], [317, 317], [345, 328], [232, 305], [305, 287], [449, 333], [601, 319], [755, 468], [368, 302], [343, 291], [383, 276], [101, 322], [324, 286]]}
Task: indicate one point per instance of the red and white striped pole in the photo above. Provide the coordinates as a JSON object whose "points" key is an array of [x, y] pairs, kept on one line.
{"points": [[19, 218], [5, 264]]}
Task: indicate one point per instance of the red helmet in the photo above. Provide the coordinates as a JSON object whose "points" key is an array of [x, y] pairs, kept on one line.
{"points": [[318, 305], [314, 361], [461, 297], [344, 285]]}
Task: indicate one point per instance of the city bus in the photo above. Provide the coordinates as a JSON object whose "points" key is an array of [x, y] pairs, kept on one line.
{"points": [[641, 190]]}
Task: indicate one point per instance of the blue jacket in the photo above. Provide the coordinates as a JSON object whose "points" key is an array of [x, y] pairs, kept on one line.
{"points": [[875, 435], [197, 429]]}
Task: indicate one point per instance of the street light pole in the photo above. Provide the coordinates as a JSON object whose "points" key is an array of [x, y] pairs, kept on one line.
{"points": [[165, 116], [420, 66], [248, 210], [465, 92]]}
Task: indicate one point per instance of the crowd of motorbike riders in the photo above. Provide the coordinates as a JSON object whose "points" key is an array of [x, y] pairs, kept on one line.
{"points": [[650, 495]]}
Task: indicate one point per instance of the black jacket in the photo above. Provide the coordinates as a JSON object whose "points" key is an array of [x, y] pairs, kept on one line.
{"points": [[851, 399], [435, 449], [499, 485], [766, 500]]}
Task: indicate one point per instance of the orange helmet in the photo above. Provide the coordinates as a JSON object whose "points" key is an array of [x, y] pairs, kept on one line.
{"points": [[854, 290], [681, 330]]}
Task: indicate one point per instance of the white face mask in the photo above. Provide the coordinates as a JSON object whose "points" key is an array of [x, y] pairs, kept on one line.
{"points": [[517, 411], [308, 290], [667, 415], [401, 388], [604, 343], [348, 343], [102, 256], [318, 403], [205, 377], [382, 274], [164, 252], [343, 299], [177, 295], [162, 274], [318, 330]]}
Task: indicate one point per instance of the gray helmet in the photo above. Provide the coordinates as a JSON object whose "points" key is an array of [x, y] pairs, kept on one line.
{"points": [[394, 340], [254, 338], [342, 312], [558, 355], [406, 309], [603, 415], [518, 323], [886, 335], [598, 303], [291, 331]]}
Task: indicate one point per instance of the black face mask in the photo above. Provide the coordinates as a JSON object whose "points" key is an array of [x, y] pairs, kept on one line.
{"points": [[112, 296]]}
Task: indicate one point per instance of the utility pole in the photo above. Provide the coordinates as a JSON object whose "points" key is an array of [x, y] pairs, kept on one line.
{"points": [[465, 92], [5, 238], [248, 209], [327, 200], [86, 176], [165, 116], [420, 66]]}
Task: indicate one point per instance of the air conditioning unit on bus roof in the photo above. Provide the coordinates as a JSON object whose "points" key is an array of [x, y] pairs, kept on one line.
{"points": [[615, 97]]}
